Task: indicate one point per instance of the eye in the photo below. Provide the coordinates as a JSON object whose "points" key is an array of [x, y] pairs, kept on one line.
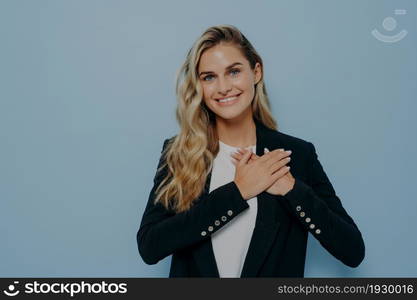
{"points": [[232, 71], [208, 76], [235, 71]]}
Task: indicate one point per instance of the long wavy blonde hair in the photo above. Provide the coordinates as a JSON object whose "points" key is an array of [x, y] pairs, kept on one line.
{"points": [[188, 157]]}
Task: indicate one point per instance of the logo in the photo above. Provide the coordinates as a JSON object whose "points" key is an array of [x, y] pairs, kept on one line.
{"points": [[389, 24], [11, 290], [69, 288]]}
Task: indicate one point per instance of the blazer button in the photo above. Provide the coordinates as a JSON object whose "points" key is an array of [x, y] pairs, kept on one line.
{"points": [[217, 222], [298, 208], [210, 228], [229, 212], [302, 214], [203, 233], [308, 220], [312, 226], [224, 218], [318, 231]]}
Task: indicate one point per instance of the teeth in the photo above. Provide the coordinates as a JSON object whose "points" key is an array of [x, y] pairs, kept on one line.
{"points": [[227, 99]]}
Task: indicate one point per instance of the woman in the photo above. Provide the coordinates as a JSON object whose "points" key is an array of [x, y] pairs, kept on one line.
{"points": [[232, 196]]}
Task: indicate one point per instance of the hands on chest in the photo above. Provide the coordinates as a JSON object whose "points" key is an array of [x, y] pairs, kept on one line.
{"points": [[255, 174]]}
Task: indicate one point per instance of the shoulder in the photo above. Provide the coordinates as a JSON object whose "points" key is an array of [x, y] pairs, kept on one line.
{"points": [[303, 154], [279, 139], [275, 138], [293, 140], [168, 141]]}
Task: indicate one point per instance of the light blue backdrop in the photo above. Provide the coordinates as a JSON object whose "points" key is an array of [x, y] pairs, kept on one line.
{"points": [[87, 98]]}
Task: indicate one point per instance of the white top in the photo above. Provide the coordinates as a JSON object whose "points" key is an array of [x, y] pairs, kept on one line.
{"points": [[231, 242]]}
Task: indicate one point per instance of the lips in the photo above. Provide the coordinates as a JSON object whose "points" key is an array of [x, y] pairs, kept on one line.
{"points": [[217, 99], [231, 96], [235, 98]]}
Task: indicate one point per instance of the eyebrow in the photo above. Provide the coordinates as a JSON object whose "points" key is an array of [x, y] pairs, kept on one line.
{"points": [[227, 68]]}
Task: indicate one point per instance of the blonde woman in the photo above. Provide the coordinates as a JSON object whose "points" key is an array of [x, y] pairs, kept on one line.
{"points": [[233, 196]]}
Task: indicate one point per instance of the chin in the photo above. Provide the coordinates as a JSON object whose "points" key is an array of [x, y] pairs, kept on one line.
{"points": [[230, 113], [230, 116]]}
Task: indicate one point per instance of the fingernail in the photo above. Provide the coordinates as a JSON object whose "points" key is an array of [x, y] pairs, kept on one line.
{"points": [[266, 150], [280, 149]]}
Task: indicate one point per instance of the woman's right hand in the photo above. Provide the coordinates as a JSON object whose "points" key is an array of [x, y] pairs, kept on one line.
{"points": [[252, 179]]}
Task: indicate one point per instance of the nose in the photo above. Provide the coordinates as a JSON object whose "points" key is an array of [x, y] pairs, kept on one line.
{"points": [[224, 86]]}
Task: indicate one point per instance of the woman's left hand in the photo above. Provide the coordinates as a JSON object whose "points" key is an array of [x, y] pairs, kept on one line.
{"points": [[280, 187]]}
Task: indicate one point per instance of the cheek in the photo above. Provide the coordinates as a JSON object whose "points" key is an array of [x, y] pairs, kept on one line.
{"points": [[207, 91], [207, 95], [207, 102], [245, 83]]}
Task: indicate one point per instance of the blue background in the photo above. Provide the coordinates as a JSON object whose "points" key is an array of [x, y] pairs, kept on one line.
{"points": [[87, 98]]}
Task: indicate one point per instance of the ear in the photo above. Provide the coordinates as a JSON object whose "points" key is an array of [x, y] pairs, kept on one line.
{"points": [[258, 72]]}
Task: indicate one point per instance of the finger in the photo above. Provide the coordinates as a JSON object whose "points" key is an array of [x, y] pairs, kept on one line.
{"points": [[279, 164], [241, 151], [236, 156], [269, 154], [281, 172], [276, 155], [245, 158], [239, 155], [254, 156]]}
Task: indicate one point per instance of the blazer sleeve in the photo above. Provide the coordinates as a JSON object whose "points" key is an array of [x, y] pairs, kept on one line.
{"points": [[320, 211], [163, 232]]}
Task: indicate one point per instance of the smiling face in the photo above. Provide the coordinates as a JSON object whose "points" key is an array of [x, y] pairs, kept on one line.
{"points": [[228, 82]]}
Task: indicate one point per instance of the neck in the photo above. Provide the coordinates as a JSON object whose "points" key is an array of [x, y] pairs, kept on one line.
{"points": [[237, 133]]}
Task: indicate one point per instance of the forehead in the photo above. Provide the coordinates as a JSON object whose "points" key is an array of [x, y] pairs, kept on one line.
{"points": [[219, 57]]}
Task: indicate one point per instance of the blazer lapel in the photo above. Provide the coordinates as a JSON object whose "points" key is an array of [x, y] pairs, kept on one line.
{"points": [[266, 224]]}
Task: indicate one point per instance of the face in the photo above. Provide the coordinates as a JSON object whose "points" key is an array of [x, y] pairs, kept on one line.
{"points": [[228, 82]]}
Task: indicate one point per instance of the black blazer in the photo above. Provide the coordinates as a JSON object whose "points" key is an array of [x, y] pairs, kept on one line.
{"points": [[279, 240]]}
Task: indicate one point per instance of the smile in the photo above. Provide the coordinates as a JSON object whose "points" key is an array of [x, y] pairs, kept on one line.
{"points": [[228, 101]]}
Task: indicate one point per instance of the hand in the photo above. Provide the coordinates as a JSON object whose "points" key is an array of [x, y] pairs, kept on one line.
{"points": [[255, 177], [281, 186]]}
